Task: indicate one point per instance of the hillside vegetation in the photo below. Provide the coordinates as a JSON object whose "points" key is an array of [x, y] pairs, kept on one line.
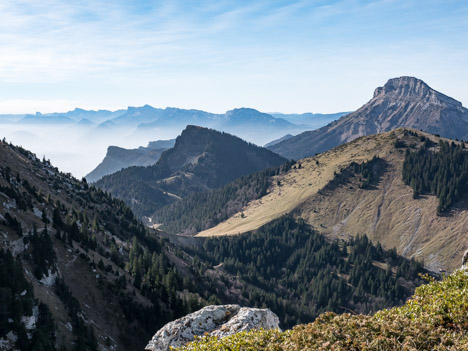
{"points": [[78, 270], [291, 269], [435, 318], [340, 201], [78, 263]]}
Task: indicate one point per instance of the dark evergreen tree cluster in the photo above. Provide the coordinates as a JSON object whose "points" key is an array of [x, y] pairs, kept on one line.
{"points": [[42, 252], [13, 223], [368, 278], [84, 335], [17, 301], [157, 279], [366, 171], [443, 173], [291, 269]]}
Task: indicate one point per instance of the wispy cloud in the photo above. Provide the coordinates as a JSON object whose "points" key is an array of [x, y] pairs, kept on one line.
{"points": [[183, 52]]}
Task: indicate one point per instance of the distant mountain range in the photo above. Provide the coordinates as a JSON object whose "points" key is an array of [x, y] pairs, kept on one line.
{"points": [[249, 124], [78, 115], [145, 121], [118, 158], [312, 120], [201, 159], [402, 102], [77, 140]]}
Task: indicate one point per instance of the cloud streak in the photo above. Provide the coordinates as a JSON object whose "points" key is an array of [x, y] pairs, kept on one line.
{"points": [[181, 53]]}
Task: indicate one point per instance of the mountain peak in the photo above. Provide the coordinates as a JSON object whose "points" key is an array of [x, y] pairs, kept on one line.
{"points": [[404, 86], [412, 88], [242, 110], [402, 102], [201, 159], [194, 127]]}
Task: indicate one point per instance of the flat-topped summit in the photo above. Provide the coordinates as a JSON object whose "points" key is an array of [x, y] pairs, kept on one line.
{"points": [[412, 88]]}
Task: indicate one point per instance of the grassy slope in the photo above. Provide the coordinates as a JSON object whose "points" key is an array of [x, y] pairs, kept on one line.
{"points": [[386, 213], [436, 318]]}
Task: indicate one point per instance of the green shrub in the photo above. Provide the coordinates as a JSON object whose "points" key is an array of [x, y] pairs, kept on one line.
{"points": [[435, 318]]}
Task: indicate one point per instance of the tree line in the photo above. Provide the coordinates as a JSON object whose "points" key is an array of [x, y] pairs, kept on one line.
{"points": [[443, 173]]}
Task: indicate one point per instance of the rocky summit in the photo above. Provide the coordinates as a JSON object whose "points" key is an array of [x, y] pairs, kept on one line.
{"points": [[220, 321], [401, 102]]}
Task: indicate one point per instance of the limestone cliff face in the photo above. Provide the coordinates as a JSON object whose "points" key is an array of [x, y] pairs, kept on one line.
{"points": [[118, 158], [218, 321], [401, 102]]}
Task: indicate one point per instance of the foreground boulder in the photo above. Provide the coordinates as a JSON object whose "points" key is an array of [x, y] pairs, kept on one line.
{"points": [[218, 321]]}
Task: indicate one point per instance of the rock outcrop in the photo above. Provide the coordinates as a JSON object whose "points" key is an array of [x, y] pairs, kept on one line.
{"points": [[118, 158], [218, 321], [465, 260]]}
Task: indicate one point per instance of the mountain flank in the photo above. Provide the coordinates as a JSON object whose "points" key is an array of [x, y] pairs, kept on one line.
{"points": [[201, 159], [401, 102], [356, 188], [75, 264], [276, 141], [313, 120]]}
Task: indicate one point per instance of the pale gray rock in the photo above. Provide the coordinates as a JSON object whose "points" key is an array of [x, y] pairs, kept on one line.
{"points": [[465, 260], [221, 321]]}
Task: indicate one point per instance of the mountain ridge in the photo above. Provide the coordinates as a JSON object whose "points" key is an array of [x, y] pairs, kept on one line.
{"points": [[201, 159]]}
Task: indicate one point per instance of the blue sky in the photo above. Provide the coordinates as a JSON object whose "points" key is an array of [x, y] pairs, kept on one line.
{"points": [[286, 56]]}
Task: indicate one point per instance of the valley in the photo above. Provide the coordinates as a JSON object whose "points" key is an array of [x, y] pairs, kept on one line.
{"points": [[100, 274], [227, 222], [233, 175]]}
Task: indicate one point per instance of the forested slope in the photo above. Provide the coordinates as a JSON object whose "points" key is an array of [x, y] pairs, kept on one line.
{"points": [[201, 159], [290, 268], [79, 271]]}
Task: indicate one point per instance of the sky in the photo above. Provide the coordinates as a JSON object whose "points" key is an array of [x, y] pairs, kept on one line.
{"points": [[275, 56]]}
